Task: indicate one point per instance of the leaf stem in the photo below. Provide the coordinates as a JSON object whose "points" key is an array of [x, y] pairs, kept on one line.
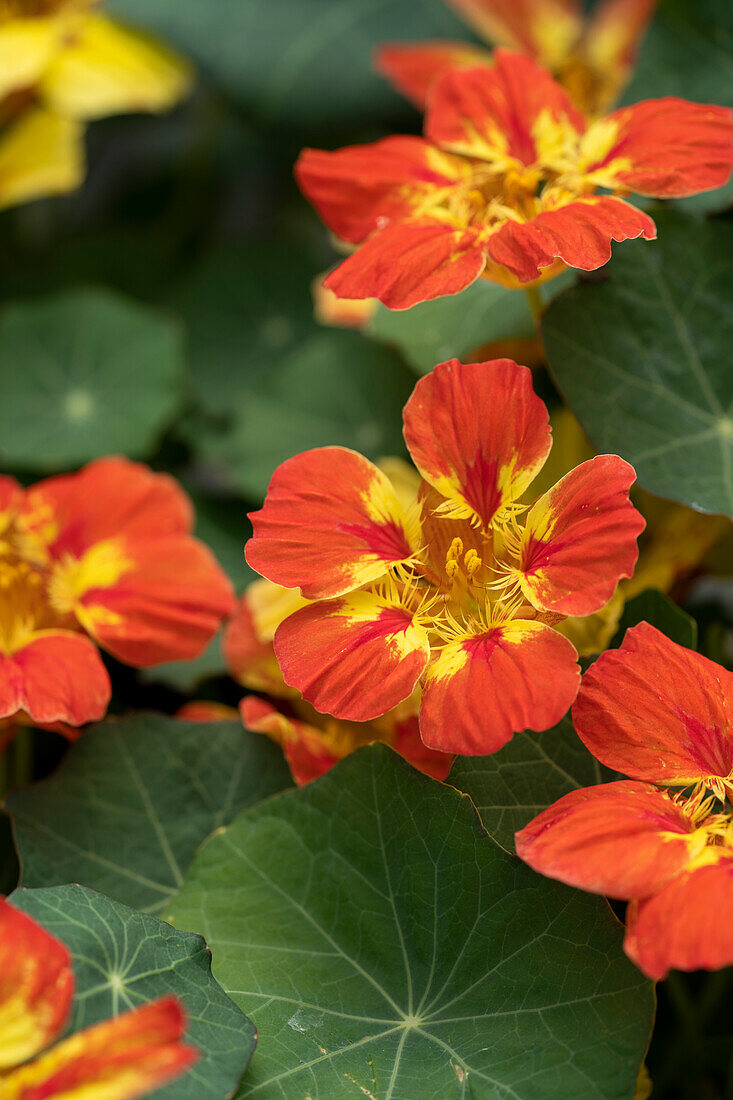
{"points": [[536, 304]]}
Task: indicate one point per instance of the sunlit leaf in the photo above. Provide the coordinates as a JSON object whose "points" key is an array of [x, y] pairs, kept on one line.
{"points": [[386, 947]]}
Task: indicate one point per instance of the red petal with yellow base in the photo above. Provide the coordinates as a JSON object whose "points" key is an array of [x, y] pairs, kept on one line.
{"points": [[306, 749], [579, 234], [202, 710], [478, 434], [624, 840], [414, 67], [11, 494], [666, 148], [36, 987], [411, 262], [579, 539], [58, 676], [408, 743], [501, 112], [481, 690], [250, 661], [687, 925], [657, 711], [355, 657], [365, 187], [331, 522], [612, 37], [120, 1059]]}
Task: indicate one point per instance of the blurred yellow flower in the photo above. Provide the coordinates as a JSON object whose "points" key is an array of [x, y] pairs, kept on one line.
{"points": [[61, 64]]}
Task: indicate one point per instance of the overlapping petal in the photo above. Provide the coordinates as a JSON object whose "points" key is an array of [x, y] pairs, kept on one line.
{"points": [[661, 147], [687, 925], [611, 41], [331, 522], [36, 987], [482, 689], [658, 712], [408, 743], [511, 111], [579, 233], [624, 840], [579, 539], [546, 29], [41, 153], [120, 1059], [309, 752], [247, 647], [414, 67], [56, 676], [478, 434], [361, 188], [355, 657], [411, 262]]}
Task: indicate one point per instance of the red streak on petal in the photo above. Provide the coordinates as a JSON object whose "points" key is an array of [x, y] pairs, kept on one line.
{"points": [[386, 540], [708, 746]]}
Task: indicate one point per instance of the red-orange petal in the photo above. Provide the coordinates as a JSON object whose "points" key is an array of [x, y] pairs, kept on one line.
{"points": [[204, 710], [36, 986], [331, 522], [355, 657], [491, 113], [687, 925], [58, 676], [579, 539], [411, 262], [120, 1059], [365, 187], [167, 606], [484, 688], [546, 29], [579, 234], [657, 711], [478, 434], [11, 495], [309, 753], [414, 67], [665, 148], [625, 840], [408, 743], [250, 661]]}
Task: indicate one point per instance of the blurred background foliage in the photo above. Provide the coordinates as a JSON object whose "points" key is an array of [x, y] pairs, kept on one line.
{"points": [[165, 311]]}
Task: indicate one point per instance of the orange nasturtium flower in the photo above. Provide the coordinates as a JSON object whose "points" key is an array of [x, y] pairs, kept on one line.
{"points": [[663, 715], [454, 593], [311, 742], [61, 65], [504, 184], [592, 57], [120, 1059], [101, 556]]}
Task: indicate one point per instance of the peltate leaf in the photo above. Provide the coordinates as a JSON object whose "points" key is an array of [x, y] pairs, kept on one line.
{"points": [[386, 947]]}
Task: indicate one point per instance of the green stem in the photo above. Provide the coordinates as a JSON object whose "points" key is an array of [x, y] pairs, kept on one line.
{"points": [[536, 304]]}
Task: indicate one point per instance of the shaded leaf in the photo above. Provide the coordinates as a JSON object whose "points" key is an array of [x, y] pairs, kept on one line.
{"points": [[643, 359], [392, 950], [123, 959], [656, 608], [185, 676], [85, 374], [133, 799]]}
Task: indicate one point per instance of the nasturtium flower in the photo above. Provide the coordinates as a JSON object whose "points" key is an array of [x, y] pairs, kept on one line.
{"points": [[459, 592], [311, 742], [103, 557], [591, 56], [120, 1059], [504, 185], [62, 64], [662, 715]]}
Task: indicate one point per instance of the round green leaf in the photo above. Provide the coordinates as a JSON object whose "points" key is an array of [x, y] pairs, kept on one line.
{"points": [[85, 374], [386, 947], [643, 359], [123, 959], [133, 799]]}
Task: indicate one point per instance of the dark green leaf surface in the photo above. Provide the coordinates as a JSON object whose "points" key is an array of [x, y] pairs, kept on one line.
{"points": [[387, 948], [123, 959], [334, 389], [643, 359], [134, 798], [85, 374], [526, 776], [296, 61], [454, 326], [656, 608]]}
